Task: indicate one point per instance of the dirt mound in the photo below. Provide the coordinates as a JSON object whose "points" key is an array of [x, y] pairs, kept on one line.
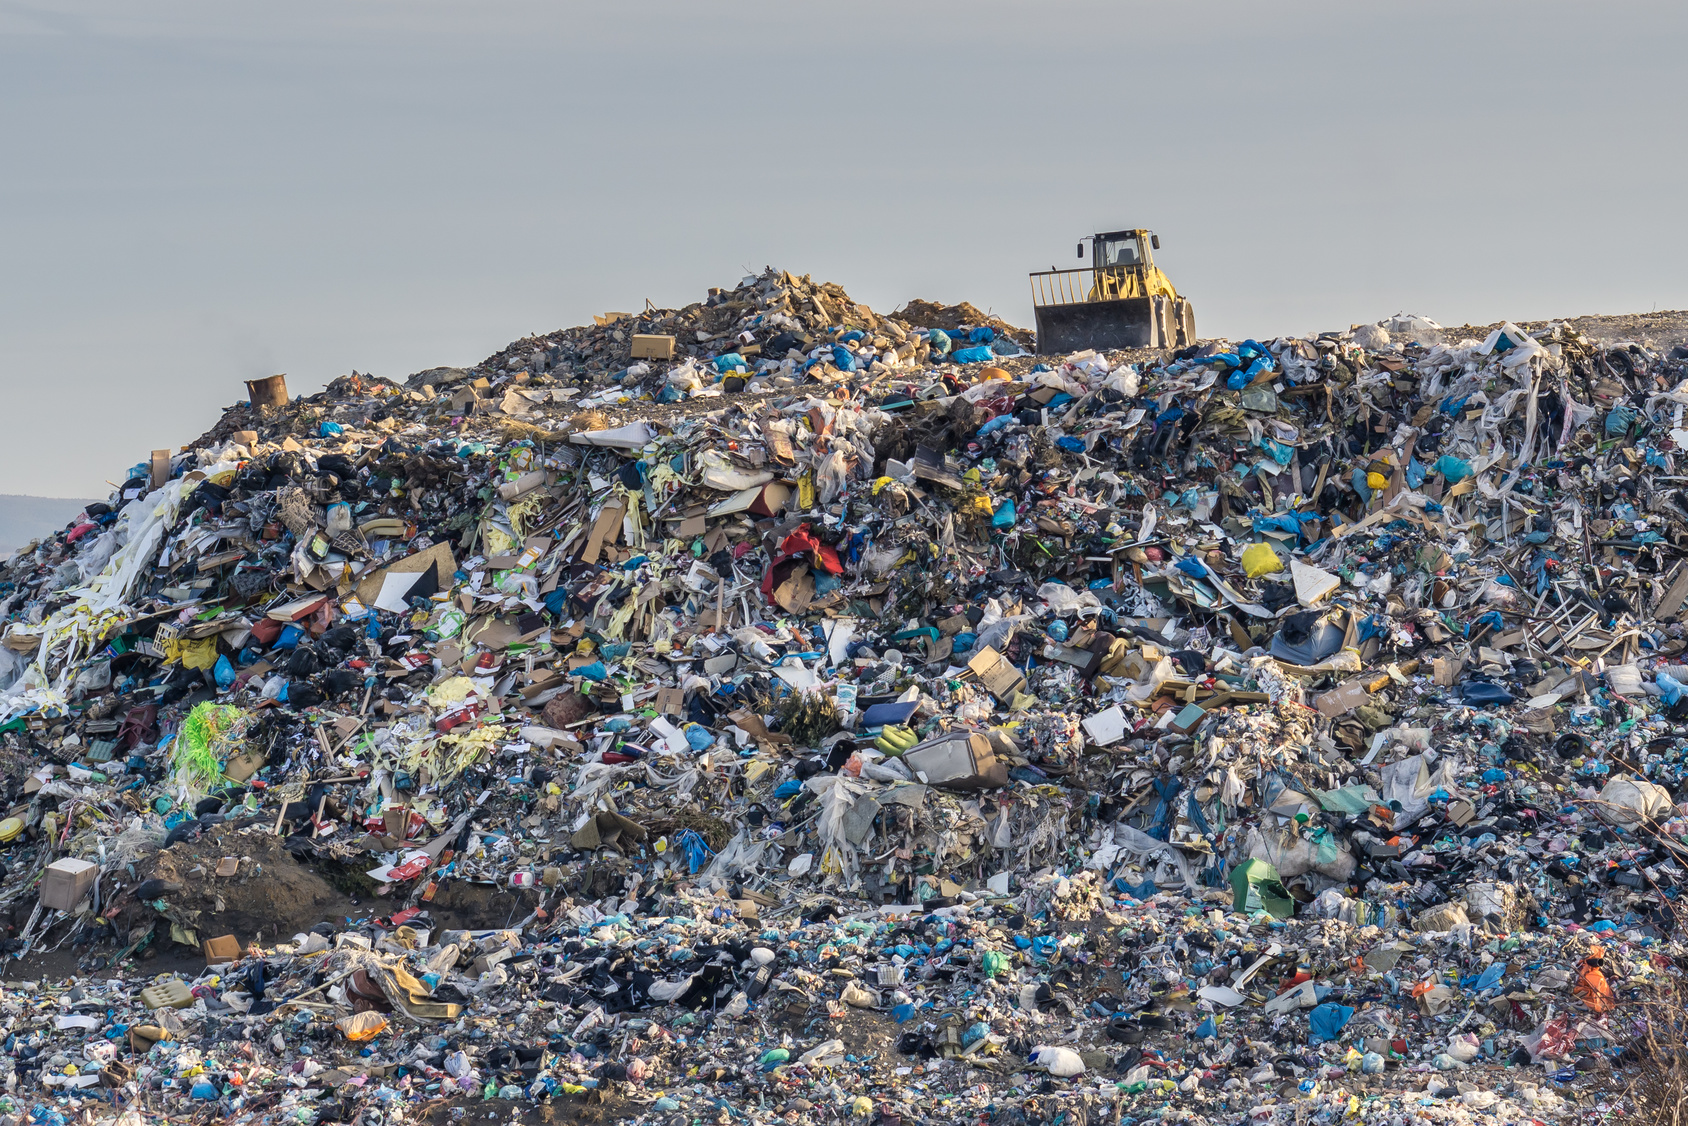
{"points": [[269, 892], [930, 314], [473, 906]]}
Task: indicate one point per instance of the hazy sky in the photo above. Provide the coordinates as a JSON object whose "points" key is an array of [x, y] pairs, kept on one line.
{"points": [[196, 193]]}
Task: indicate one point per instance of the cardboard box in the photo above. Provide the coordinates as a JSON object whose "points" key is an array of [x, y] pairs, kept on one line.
{"points": [[225, 948], [66, 882], [650, 346]]}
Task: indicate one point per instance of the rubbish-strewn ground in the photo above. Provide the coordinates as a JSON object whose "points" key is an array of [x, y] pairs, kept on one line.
{"points": [[858, 717]]}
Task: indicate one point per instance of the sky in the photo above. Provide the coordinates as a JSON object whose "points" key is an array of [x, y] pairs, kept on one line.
{"points": [[198, 192]]}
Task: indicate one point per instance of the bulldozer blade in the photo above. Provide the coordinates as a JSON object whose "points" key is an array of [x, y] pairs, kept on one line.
{"points": [[1131, 322]]}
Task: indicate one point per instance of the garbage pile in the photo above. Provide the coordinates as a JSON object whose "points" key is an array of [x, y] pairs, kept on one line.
{"points": [[772, 708]]}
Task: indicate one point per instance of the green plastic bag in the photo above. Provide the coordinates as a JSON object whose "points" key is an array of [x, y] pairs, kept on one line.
{"points": [[1259, 881]]}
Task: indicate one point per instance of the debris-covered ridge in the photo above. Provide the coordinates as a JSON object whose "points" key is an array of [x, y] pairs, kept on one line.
{"points": [[772, 708]]}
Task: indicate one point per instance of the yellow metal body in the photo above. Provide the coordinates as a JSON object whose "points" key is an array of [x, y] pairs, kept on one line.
{"points": [[1124, 266], [1121, 300]]}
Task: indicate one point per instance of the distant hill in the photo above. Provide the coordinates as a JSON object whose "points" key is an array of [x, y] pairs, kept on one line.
{"points": [[23, 519]]}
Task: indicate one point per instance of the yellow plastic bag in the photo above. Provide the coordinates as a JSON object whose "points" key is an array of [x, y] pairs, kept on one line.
{"points": [[1259, 559], [362, 1026]]}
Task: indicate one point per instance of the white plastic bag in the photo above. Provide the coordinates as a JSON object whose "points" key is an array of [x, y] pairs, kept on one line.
{"points": [[1063, 1063]]}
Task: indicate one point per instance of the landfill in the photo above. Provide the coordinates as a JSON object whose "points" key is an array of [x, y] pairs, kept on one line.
{"points": [[775, 710]]}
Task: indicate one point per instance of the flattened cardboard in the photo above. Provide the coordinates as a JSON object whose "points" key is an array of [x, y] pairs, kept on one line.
{"points": [[499, 633], [606, 529], [1000, 678], [439, 555], [1341, 699]]}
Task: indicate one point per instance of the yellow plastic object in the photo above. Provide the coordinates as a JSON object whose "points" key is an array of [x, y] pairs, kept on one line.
{"points": [[1259, 559], [1376, 481], [361, 1026], [9, 829], [172, 994]]}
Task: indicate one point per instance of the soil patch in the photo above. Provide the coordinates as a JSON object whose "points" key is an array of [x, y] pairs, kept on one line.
{"points": [[269, 898]]}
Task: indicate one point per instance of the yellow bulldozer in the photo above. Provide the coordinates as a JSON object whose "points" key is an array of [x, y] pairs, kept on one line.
{"points": [[1121, 300]]}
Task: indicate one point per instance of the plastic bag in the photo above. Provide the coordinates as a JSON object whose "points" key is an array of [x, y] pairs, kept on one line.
{"points": [[1063, 1063], [831, 476], [979, 354], [1328, 1020], [1453, 469], [1259, 559], [1670, 689], [362, 1026], [1631, 801], [1464, 1047]]}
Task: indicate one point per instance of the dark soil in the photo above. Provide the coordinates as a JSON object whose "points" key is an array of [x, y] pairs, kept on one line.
{"points": [[270, 899], [592, 1109]]}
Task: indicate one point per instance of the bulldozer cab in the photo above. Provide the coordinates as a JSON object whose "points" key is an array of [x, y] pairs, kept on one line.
{"points": [[1125, 267], [1122, 248], [1121, 301]]}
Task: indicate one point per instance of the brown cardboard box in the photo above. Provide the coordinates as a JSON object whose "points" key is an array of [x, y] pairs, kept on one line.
{"points": [[66, 882], [225, 948], [1000, 678], [650, 346]]}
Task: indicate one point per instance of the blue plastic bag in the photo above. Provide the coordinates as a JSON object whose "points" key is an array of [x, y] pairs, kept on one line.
{"points": [[1482, 692], [978, 354], [1618, 420], [729, 361], [1328, 1020], [223, 672], [1003, 517], [939, 341], [1358, 480], [843, 358], [1490, 977], [1453, 469], [1670, 689]]}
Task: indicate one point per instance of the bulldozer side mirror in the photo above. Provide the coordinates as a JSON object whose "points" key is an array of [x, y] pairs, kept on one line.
{"points": [[1154, 241], [1081, 250]]}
